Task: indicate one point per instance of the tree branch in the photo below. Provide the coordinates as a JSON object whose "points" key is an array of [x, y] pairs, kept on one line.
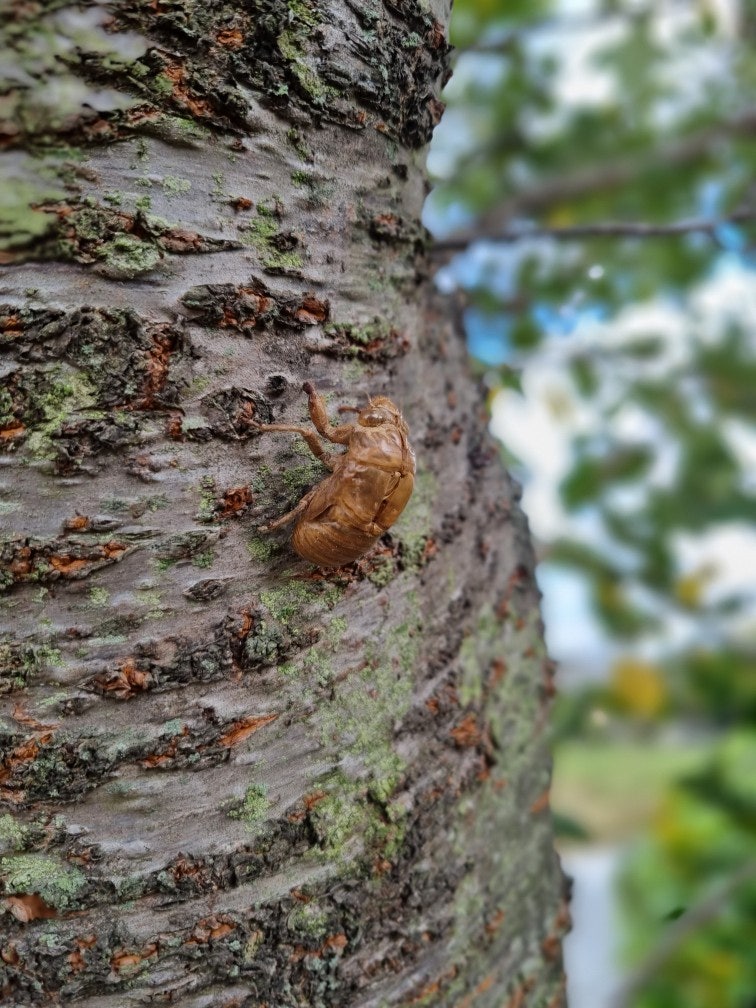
{"points": [[694, 917], [556, 23], [609, 175], [610, 229]]}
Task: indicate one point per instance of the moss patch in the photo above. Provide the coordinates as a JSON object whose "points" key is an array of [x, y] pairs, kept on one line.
{"points": [[301, 478], [20, 662], [382, 571], [339, 820], [349, 820]]}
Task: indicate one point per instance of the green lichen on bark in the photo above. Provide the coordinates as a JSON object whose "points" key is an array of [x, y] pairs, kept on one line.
{"points": [[414, 527], [276, 48], [51, 47], [373, 699], [355, 815], [125, 258], [201, 60], [294, 43], [21, 661], [82, 382], [309, 919], [53, 394], [115, 243], [253, 807], [277, 249], [255, 305], [378, 340], [57, 884], [505, 678], [288, 603], [261, 549], [22, 222], [318, 192], [13, 834]]}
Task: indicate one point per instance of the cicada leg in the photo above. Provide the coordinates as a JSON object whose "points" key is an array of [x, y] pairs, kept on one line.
{"points": [[312, 439]]}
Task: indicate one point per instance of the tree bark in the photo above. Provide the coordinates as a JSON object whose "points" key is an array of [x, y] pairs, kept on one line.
{"points": [[230, 778]]}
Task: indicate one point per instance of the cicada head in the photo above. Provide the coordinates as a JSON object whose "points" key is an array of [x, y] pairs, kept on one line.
{"points": [[379, 411]]}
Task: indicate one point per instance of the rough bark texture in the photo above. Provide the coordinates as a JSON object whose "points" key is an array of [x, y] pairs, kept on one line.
{"points": [[229, 778]]}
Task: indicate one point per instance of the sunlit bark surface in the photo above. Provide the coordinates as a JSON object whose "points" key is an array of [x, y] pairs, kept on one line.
{"points": [[229, 778]]}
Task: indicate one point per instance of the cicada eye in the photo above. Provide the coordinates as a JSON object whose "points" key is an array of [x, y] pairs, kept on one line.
{"points": [[372, 418]]}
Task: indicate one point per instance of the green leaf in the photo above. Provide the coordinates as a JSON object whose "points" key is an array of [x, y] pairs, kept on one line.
{"points": [[590, 477]]}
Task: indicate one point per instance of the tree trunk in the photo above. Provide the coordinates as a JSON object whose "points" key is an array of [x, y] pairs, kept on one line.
{"points": [[228, 777]]}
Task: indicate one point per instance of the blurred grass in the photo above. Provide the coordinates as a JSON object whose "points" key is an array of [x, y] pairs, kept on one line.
{"points": [[607, 792]]}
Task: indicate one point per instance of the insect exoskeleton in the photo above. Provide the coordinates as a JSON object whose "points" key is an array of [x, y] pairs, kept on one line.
{"points": [[368, 486]]}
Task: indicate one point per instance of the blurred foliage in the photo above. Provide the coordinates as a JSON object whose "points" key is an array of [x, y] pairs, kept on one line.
{"points": [[696, 871], [573, 186], [595, 200], [638, 687], [615, 781]]}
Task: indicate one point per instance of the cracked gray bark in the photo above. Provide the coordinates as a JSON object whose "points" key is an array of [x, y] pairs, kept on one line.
{"points": [[229, 778]]}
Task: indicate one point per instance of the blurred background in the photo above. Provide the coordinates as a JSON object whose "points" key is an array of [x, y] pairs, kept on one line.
{"points": [[594, 206]]}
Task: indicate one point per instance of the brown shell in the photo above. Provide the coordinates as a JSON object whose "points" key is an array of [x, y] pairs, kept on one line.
{"points": [[361, 499], [368, 486]]}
